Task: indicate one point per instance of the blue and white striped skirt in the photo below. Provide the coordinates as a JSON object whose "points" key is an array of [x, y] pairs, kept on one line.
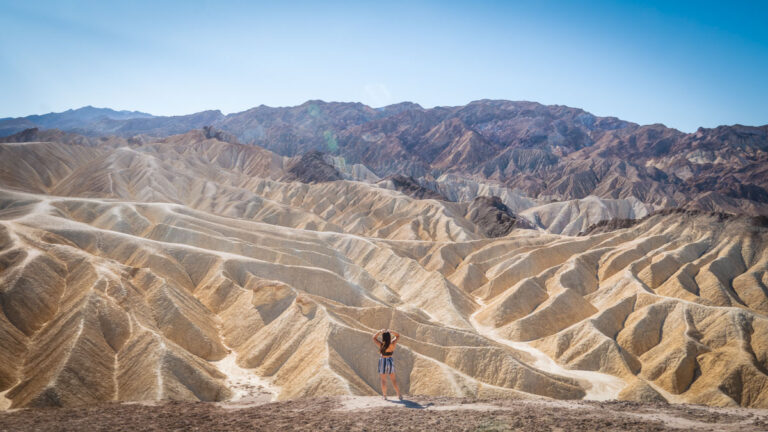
{"points": [[386, 365]]}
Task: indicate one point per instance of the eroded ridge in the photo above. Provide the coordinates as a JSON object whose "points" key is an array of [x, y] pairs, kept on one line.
{"points": [[154, 272]]}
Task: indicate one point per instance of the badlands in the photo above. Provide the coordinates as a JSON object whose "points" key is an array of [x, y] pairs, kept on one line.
{"points": [[195, 268]]}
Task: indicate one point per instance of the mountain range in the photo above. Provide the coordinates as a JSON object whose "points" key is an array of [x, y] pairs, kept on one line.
{"points": [[547, 153]]}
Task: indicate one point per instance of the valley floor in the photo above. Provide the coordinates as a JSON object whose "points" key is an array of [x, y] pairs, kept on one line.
{"points": [[418, 413]]}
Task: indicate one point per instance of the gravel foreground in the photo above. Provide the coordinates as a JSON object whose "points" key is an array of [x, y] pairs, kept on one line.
{"points": [[375, 414]]}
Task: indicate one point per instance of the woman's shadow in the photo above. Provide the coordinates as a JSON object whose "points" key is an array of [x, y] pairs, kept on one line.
{"points": [[412, 404]]}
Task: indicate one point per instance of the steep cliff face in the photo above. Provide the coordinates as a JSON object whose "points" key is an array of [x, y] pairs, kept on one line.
{"points": [[494, 218], [311, 168]]}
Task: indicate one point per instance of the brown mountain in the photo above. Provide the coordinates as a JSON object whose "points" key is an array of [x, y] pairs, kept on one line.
{"points": [[545, 152]]}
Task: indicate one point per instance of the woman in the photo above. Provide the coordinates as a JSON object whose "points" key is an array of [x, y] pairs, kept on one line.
{"points": [[386, 363]]}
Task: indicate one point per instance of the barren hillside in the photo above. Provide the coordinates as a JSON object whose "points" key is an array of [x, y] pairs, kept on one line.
{"points": [[147, 269]]}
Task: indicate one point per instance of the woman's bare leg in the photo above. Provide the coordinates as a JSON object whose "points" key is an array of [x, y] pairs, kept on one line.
{"points": [[394, 384], [384, 385]]}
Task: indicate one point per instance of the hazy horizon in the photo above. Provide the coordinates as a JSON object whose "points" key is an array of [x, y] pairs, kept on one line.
{"points": [[374, 107]]}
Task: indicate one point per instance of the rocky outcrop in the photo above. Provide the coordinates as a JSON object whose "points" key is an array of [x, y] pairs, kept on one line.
{"points": [[410, 187], [311, 168], [493, 217], [217, 134]]}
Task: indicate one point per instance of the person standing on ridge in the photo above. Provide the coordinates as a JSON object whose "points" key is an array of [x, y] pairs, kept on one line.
{"points": [[386, 363]]}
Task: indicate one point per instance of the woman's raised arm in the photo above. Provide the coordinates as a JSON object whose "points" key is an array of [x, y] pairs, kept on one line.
{"points": [[396, 335], [376, 337]]}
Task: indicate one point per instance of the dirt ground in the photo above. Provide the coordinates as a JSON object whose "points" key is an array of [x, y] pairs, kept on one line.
{"points": [[374, 414]]}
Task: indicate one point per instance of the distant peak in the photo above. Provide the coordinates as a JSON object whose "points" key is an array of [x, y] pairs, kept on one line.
{"points": [[403, 105], [314, 102]]}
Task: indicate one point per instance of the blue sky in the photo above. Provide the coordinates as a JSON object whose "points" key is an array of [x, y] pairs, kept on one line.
{"points": [[684, 64]]}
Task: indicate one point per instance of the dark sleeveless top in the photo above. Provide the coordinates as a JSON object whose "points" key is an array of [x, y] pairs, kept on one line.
{"points": [[389, 353]]}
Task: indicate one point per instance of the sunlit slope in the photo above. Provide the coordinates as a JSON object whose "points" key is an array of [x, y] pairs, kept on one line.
{"points": [[127, 272], [137, 306], [231, 180]]}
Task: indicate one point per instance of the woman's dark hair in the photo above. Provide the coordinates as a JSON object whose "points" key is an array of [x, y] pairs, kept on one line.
{"points": [[387, 339]]}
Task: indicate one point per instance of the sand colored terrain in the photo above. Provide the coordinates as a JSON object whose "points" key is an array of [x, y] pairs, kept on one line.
{"points": [[194, 269], [369, 413]]}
